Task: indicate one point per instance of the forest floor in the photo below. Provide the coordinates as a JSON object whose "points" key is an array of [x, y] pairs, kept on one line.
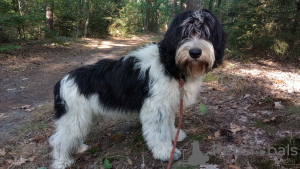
{"points": [[253, 118]]}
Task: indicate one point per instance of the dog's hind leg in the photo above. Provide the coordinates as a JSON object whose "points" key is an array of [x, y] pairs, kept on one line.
{"points": [[156, 131], [71, 130]]}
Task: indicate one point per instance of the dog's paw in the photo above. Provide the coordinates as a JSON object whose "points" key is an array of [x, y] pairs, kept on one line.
{"points": [[82, 148], [164, 153], [62, 164], [181, 135]]}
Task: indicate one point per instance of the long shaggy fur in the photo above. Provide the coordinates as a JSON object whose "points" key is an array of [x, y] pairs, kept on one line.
{"points": [[142, 84]]}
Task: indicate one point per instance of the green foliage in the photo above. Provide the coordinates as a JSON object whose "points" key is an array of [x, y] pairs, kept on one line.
{"points": [[107, 164], [9, 47], [264, 26], [132, 18], [203, 108]]}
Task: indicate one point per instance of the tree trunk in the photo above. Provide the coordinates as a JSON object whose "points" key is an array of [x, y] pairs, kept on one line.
{"points": [[219, 3], [211, 4], [148, 15], [20, 5], [87, 2], [174, 7], [194, 5], [79, 16], [182, 6], [49, 16], [296, 19]]}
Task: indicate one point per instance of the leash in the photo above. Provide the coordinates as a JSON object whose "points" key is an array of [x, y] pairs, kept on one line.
{"points": [[179, 123]]}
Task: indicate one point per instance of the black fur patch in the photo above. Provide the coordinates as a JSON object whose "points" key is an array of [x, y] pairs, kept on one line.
{"points": [[59, 103], [116, 82]]}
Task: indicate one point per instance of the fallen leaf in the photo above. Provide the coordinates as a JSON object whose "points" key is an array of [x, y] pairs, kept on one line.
{"points": [[246, 96], [217, 134], [278, 105], [28, 110], [31, 158], [2, 115], [203, 109], [107, 164], [2, 152], [25, 106], [246, 108], [19, 162], [117, 136], [129, 161], [48, 135], [38, 139], [235, 128], [270, 119], [234, 106], [209, 138]]}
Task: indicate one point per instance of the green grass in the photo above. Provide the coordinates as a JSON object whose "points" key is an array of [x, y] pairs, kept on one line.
{"points": [[210, 77], [196, 137], [268, 127], [9, 47], [182, 165]]}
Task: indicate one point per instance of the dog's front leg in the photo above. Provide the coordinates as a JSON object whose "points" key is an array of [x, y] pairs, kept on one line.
{"points": [[156, 131], [173, 129]]}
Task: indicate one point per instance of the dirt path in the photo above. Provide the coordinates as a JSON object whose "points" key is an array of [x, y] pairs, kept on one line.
{"points": [[254, 104]]}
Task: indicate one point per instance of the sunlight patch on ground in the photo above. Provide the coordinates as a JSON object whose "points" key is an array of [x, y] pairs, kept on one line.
{"points": [[286, 81], [105, 45]]}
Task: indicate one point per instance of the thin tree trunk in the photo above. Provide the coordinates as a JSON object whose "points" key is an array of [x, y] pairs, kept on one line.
{"points": [[148, 15], [174, 7], [20, 5], [79, 16], [296, 19], [181, 6], [211, 4], [49, 18], [219, 3], [87, 2]]}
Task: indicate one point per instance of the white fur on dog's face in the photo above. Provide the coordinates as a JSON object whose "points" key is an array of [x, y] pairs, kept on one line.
{"points": [[191, 66]]}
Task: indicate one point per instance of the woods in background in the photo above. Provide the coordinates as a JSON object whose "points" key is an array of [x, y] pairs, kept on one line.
{"points": [[255, 25]]}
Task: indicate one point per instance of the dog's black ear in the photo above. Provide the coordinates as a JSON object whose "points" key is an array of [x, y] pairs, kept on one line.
{"points": [[218, 39], [168, 46]]}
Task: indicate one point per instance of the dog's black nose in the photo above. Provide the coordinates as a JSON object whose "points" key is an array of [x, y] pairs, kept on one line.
{"points": [[195, 53]]}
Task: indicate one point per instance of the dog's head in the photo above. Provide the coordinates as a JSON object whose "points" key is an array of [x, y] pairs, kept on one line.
{"points": [[193, 44]]}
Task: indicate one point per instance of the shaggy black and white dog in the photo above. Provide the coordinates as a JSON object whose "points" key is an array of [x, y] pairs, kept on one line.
{"points": [[144, 83]]}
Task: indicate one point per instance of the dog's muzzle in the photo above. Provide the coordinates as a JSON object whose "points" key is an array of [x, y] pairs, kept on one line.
{"points": [[195, 57]]}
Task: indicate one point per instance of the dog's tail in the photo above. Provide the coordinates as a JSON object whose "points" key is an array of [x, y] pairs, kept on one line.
{"points": [[59, 102]]}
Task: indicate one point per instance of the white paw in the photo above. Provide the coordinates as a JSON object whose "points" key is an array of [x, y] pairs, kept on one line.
{"points": [[61, 164], [181, 135], [82, 148], [163, 153]]}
